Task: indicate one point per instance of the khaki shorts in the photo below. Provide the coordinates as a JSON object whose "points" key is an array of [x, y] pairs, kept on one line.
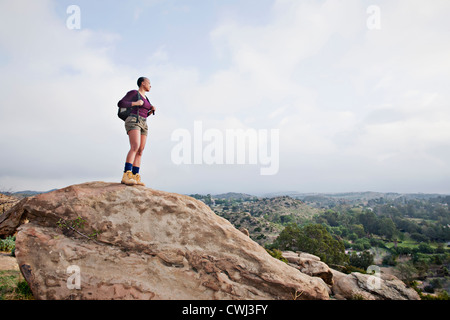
{"points": [[132, 124]]}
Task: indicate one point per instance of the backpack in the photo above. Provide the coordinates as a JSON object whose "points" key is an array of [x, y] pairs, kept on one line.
{"points": [[124, 113]]}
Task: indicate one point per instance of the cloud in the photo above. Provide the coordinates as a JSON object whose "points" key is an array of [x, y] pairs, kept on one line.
{"points": [[59, 91], [402, 71], [357, 109], [388, 104]]}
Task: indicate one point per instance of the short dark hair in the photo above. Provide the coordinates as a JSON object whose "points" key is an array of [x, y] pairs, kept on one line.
{"points": [[140, 80]]}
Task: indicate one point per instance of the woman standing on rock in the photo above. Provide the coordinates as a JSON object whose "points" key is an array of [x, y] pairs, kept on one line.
{"points": [[137, 129]]}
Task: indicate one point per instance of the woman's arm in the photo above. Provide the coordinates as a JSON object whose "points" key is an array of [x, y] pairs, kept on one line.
{"points": [[129, 100]]}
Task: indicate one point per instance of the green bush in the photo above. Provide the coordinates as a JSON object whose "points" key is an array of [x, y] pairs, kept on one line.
{"points": [[362, 260], [23, 290], [377, 243], [12, 288], [390, 260], [441, 295], [277, 254], [8, 244]]}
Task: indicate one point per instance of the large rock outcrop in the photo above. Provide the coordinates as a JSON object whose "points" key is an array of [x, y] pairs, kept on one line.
{"points": [[138, 243], [310, 265], [370, 287], [352, 286]]}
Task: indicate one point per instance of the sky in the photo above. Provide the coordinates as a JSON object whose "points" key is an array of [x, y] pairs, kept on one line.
{"points": [[326, 95]]}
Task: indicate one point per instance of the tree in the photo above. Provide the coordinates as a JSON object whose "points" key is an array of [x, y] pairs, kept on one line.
{"points": [[407, 272], [287, 239], [387, 228], [331, 217], [313, 239], [358, 229], [425, 248], [369, 221], [363, 260]]}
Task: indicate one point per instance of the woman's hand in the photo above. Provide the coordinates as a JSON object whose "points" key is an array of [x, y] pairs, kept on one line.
{"points": [[137, 103]]}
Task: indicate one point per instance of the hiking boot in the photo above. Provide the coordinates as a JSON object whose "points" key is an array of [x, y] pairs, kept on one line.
{"points": [[128, 179], [137, 178]]}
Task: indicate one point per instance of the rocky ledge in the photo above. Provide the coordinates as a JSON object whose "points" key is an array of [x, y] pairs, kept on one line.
{"points": [[108, 241]]}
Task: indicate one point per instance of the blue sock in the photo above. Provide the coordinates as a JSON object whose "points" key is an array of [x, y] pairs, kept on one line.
{"points": [[135, 170], [128, 166]]}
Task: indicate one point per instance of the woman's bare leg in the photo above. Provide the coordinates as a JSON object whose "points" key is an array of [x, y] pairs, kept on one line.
{"points": [[140, 151], [135, 144]]}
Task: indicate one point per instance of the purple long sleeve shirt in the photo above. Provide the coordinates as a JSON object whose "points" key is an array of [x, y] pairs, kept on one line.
{"points": [[132, 96]]}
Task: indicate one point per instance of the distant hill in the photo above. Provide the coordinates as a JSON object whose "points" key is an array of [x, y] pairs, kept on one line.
{"points": [[352, 198], [264, 218], [233, 195], [26, 193]]}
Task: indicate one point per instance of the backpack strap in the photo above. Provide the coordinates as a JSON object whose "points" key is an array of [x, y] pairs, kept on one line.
{"points": [[137, 115], [150, 112]]}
